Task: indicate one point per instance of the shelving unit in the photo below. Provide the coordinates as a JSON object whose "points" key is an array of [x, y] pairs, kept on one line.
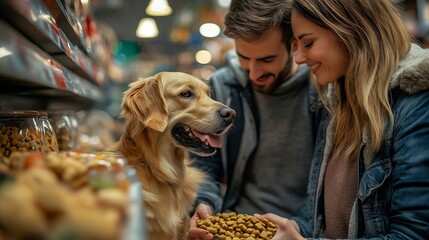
{"points": [[26, 69], [44, 56], [45, 60]]}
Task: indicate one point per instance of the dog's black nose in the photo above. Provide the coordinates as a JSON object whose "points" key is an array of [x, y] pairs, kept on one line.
{"points": [[227, 114]]}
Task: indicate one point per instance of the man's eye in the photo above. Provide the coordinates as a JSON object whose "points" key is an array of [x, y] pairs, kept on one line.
{"points": [[268, 60], [187, 94]]}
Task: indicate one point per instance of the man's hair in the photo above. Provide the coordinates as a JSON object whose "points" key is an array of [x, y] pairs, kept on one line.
{"points": [[251, 19]]}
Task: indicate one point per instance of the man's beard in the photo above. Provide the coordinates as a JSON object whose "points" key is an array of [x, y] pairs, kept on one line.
{"points": [[278, 80]]}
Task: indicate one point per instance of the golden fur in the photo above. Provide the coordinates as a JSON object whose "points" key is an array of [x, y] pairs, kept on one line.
{"points": [[151, 108]]}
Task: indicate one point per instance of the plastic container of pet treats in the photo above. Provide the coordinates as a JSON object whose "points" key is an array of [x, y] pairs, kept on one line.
{"points": [[64, 125], [50, 138], [20, 131]]}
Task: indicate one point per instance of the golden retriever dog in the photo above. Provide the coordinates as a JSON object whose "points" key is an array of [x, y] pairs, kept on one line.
{"points": [[166, 117]]}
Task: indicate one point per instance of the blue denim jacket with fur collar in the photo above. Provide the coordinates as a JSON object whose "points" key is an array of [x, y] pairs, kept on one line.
{"points": [[393, 192]]}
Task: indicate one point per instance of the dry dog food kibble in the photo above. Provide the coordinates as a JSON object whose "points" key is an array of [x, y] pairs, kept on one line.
{"points": [[20, 131], [13, 139], [232, 226]]}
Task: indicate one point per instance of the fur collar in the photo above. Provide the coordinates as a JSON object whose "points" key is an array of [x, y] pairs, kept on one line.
{"points": [[412, 74]]}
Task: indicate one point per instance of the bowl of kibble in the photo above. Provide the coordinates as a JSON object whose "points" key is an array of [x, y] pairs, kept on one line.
{"points": [[233, 226]]}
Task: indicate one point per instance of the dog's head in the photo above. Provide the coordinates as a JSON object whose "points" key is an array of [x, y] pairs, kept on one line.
{"points": [[179, 107]]}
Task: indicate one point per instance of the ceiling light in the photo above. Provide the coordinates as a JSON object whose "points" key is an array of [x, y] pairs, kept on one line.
{"points": [[158, 8], [209, 30], [147, 28]]}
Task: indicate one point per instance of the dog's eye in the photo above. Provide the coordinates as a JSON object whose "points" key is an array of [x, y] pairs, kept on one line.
{"points": [[187, 94]]}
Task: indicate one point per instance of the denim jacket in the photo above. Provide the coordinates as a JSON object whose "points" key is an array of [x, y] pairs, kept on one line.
{"points": [[393, 190]]}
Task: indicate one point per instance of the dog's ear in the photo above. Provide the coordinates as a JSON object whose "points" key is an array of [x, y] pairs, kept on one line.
{"points": [[145, 101]]}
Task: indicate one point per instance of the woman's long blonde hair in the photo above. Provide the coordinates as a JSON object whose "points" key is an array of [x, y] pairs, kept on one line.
{"points": [[373, 33]]}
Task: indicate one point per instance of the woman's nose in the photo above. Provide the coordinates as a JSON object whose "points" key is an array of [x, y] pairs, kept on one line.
{"points": [[300, 58]]}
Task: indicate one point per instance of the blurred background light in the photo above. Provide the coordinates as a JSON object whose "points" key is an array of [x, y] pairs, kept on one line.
{"points": [[203, 57], [147, 28], [224, 3], [209, 30], [158, 8]]}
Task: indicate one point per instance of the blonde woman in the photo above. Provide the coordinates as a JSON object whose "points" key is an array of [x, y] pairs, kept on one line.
{"points": [[370, 173]]}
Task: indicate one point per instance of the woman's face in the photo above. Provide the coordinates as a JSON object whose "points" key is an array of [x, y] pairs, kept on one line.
{"points": [[319, 49]]}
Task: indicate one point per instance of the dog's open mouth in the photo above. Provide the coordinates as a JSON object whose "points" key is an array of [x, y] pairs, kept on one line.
{"points": [[197, 142]]}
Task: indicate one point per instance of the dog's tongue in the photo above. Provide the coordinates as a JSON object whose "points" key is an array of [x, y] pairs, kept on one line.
{"points": [[213, 140]]}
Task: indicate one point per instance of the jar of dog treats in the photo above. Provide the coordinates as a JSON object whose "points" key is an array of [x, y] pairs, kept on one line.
{"points": [[20, 131], [50, 138], [64, 126]]}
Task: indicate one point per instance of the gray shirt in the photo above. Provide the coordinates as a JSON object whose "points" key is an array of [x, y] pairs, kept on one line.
{"points": [[276, 177]]}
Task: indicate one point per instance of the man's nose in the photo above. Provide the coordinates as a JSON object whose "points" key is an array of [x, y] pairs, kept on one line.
{"points": [[255, 71]]}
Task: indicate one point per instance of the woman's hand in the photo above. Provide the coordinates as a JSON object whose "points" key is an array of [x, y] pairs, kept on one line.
{"points": [[202, 211], [286, 229]]}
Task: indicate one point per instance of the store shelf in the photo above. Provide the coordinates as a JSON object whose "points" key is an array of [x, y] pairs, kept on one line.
{"points": [[67, 21], [33, 19], [25, 69]]}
